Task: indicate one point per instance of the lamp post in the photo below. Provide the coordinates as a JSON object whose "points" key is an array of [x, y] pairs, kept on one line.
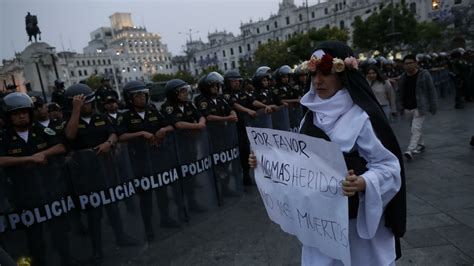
{"points": [[51, 48], [38, 58]]}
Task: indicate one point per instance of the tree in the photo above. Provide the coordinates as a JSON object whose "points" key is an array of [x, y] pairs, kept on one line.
{"points": [[295, 50], [430, 36], [184, 75], [94, 81], [378, 33]]}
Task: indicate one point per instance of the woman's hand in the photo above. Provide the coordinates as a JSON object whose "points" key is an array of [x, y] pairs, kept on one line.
{"points": [[252, 160], [352, 184]]}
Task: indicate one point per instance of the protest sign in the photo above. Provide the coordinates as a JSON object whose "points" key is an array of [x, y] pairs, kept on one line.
{"points": [[299, 178]]}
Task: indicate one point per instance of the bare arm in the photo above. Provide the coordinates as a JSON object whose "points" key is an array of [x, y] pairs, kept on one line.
{"points": [[71, 127]]}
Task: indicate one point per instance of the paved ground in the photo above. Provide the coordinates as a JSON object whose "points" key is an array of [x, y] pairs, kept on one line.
{"points": [[440, 184]]}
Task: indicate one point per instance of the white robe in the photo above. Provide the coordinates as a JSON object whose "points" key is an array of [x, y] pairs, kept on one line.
{"points": [[371, 243]]}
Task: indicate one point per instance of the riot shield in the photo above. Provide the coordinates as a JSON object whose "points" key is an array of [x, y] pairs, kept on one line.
{"points": [[262, 120], [195, 164], [224, 147], [295, 112], [166, 183], [281, 119], [38, 214]]}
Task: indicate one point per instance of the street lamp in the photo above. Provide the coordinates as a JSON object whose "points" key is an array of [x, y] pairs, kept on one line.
{"points": [[51, 48], [37, 59]]}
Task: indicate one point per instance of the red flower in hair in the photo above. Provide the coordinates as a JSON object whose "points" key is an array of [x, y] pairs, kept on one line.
{"points": [[325, 65]]}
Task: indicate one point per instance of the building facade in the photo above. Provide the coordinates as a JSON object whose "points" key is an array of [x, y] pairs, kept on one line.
{"points": [[225, 51]]}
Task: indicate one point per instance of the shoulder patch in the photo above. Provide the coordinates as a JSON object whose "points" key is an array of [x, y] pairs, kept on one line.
{"points": [[169, 109], [49, 131], [203, 105]]}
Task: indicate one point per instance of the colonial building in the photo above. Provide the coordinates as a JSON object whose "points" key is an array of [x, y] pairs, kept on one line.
{"points": [[224, 50]]}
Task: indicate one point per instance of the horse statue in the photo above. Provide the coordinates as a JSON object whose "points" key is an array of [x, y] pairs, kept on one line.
{"points": [[32, 28]]}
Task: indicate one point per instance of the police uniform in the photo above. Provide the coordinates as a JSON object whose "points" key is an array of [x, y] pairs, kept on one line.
{"points": [[286, 92], [35, 185], [187, 113], [268, 97], [58, 97], [208, 106], [101, 95]]}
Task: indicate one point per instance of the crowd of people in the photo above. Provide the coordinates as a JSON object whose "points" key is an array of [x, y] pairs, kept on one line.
{"points": [[82, 124]]}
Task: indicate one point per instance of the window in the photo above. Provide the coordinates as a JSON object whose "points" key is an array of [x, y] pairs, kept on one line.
{"points": [[278, 39], [248, 46], [340, 6], [287, 20], [77, 63], [128, 69], [312, 14], [96, 72], [83, 62], [259, 42], [195, 60], [93, 62], [341, 24], [276, 24], [80, 73], [325, 11], [240, 49], [301, 17], [413, 7], [106, 70], [140, 68], [457, 2], [268, 27], [108, 61], [88, 62], [72, 73], [232, 64], [336, 7], [223, 53], [258, 30], [225, 66], [231, 51], [85, 72], [98, 62]]}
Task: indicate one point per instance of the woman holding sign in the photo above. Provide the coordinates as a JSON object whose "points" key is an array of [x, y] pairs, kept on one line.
{"points": [[343, 109]]}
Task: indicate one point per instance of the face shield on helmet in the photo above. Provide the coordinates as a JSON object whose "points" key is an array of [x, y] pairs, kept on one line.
{"points": [[210, 84]]}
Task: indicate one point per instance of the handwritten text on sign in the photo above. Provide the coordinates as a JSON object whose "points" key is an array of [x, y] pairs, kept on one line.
{"points": [[299, 178]]}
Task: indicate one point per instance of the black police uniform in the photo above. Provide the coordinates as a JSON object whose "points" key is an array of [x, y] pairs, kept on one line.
{"points": [[286, 92], [268, 97], [58, 97], [89, 174], [190, 114], [55, 124], [217, 106], [35, 185], [139, 150]]}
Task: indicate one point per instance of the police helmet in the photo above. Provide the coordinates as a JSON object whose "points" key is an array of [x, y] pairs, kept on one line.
{"points": [[17, 100], [78, 89], [38, 101], [284, 70], [299, 70], [59, 84], [173, 87], [133, 87], [206, 81], [261, 73]]}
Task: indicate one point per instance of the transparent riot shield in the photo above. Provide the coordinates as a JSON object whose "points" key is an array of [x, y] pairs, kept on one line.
{"points": [[38, 211], [295, 113], [262, 120], [224, 147], [281, 119], [196, 173], [168, 190]]}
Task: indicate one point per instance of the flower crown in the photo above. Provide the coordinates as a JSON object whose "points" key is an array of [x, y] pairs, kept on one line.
{"points": [[328, 64]]}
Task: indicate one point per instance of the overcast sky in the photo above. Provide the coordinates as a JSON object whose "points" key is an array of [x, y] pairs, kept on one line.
{"points": [[75, 19]]}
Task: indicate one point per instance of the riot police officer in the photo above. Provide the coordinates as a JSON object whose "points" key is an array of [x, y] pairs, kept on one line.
{"points": [[145, 123], [31, 156], [42, 117], [301, 80], [263, 91], [183, 115], [91, 136], [285, 91], [58, 94], [103, 91]]}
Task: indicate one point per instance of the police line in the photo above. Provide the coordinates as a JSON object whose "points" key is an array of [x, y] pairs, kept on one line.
{"points": [[26, 218]]}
